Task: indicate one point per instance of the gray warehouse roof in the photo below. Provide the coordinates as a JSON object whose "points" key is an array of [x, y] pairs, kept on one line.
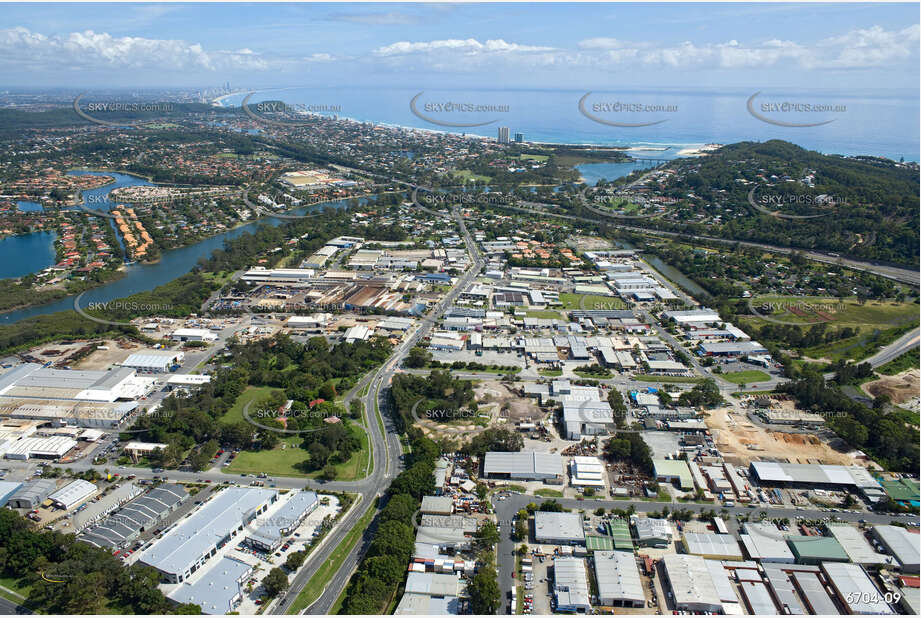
{"points": [[523, 463], [562, 526], [33, 493], [215, 589], [617, 576], [139, 514]]}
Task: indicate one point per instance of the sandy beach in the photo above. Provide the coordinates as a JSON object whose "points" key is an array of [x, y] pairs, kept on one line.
{"points": [[700, 150]]}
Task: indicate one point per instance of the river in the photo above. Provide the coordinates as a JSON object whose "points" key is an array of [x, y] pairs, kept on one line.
{"points": [[141, 277]]}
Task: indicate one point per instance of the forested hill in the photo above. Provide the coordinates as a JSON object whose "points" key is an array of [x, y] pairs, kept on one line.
{"points": [[867, 207]]}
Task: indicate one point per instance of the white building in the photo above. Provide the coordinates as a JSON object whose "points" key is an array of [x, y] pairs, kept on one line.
{"points": [[153, 361], [618, 579], [570, 585], [73, 494], [192, 334], [691, 584], [587, 472]]}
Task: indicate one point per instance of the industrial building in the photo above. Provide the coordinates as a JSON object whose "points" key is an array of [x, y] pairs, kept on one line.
{"points": [[856, 546], [437, 505], [765, 542], [558, 528], [618, 579], [855, 589], [413, 604], [524, 466], [814, 476], [32, 494], [758, 600], [587, 472], [674, 471], [651, 532], [105, 504], [8, 489], [813, 592], [902, 544], [816, 549], [143, 513], [217, 590], [713, 546], [732, 348], [188, 546], [52, 448], [192, 334], [154, 361], [73, 494], [691, 584], [433, 584], [570, 585], [269, 531]]}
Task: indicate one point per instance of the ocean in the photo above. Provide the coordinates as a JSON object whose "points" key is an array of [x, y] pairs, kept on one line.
{"points": [[866, 124]]}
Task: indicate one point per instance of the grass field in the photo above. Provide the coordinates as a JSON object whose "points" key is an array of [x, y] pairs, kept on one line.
{"points": [[544, 313], [592, 301], [534, 157], [746, 377], [871, 314], [283, 461], [550, 373], [548, 493], [314, 587], [13, 584], [252, 393]]}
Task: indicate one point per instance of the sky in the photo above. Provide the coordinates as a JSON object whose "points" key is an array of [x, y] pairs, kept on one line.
{"points": [[852, 47]]}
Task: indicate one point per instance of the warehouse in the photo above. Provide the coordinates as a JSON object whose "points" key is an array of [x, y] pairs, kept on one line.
{"points": [[618, 579], [143, 513], [414, 604], [524, 466], [813, 475], [135, 450], [33, 381], [269, 531], [672, 471], [766, 543], [105, 504], [437, 505], [558, 528], [691, 584], [8, 489], [757, 598], [901, 543], [712, 546], [192, 334], [570, 585], [693, 318], [732, 348], [855, 589], [32, 494], [587, 472], [218, 590], [188, 546], [651, 532], [586, 417], [814, 594], [856, 545], [186, 381], [816, 549], [433, 584], [154, 361], [73, 494]]}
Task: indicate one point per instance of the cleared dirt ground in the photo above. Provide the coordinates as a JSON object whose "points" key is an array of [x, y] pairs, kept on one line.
{"points": [[103, 359], [901, 387], [734, 435]]}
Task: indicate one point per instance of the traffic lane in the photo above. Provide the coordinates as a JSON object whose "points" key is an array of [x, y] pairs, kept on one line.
{"points": [[505, 511], [9, 608]]}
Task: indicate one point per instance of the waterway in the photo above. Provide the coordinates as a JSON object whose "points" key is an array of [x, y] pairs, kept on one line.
{"points": [[26, 253]]}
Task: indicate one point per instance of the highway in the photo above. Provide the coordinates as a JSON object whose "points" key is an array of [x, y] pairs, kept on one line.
{"points": [[906, 342]]}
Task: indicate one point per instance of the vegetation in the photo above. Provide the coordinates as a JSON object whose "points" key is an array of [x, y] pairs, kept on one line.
{"points": [[452, 397], [630, 447], [63, 576], [746, 377]]}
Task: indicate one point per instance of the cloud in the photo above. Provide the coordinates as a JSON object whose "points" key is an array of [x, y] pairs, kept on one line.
{"points": [[89, 49], [465, 46]]}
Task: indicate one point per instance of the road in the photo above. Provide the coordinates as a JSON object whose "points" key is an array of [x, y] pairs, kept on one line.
{"points": [[507, 509], [906, 342]]}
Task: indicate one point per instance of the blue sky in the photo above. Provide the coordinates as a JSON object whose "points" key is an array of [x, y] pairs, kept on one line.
{"points": [[857, 47]]}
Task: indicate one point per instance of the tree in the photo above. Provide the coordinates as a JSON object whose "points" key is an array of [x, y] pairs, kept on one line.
{"points": [[418, 358], [295, 559], [328, 473], [275, 582], [487, 535], [485, 597]]}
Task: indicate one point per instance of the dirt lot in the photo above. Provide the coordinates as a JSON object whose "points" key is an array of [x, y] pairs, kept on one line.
{"points": [[901, 387], [734, 435], [103, 359], [491, 394]]}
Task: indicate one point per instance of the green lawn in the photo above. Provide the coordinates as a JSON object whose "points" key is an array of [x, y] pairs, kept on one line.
{"points": [[252, 393], [593, 376], [592, 301], [13, 584], [283, 461], [534, 157], [746, 377], [550, 373], [314, 587], [548, 493], [544, 313]]}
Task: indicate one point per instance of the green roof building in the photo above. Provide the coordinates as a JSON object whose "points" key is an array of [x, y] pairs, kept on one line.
{"points": [[599, 543], [619, 530], [817, 549], [672, 470], [903, 490]]}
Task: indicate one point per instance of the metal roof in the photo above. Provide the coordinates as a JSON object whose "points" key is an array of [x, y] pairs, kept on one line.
{"points": [[900, 543], [816, 474], [281, 522], [690, 580], [856, 545], [564, 526], [523, 463], [182, 546], [141, 513], [618, 576], [814, 594], [215, 589], [766, 542], [433, 584], [855, 588], [570, 582], [73, 493], [758, 598], [708, 544], [35, 492]]}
